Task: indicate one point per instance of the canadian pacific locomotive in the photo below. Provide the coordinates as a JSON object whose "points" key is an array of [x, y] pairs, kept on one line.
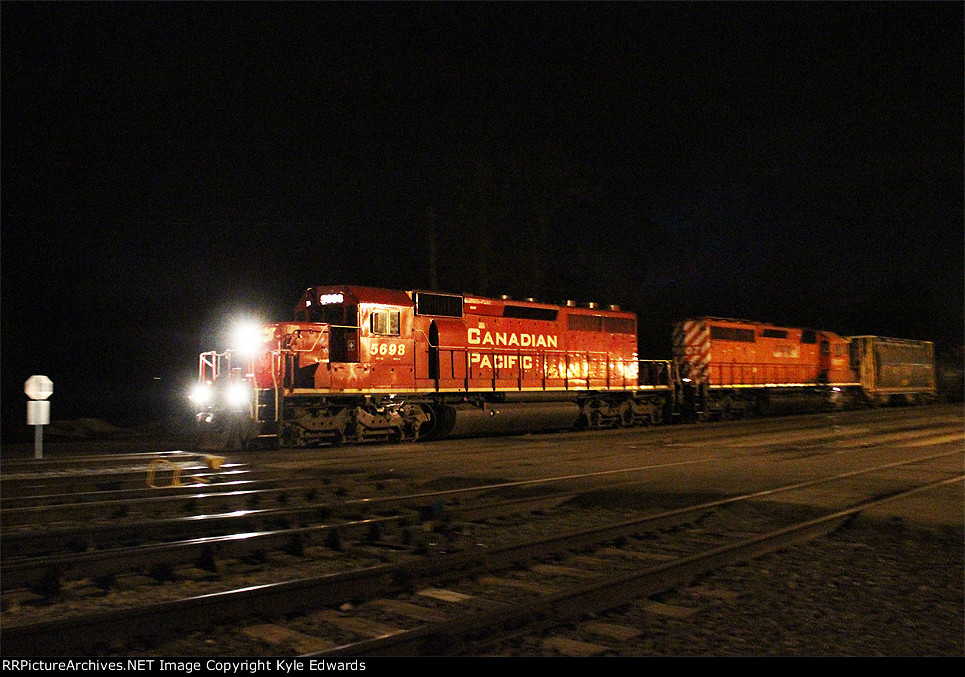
{"points": [[359, 363]]}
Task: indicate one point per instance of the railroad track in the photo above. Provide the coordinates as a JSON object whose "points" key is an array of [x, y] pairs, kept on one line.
{"points": [[79, 536], [604, 579], [259, 532], [46, 559], [434, 604]]}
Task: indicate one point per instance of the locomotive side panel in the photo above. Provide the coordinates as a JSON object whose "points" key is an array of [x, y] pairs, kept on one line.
{"points": [[369, 338], [441, 362], [691, 351], [509, 352], [754, 355], [499, 345], [602, 350], [834, 360]]}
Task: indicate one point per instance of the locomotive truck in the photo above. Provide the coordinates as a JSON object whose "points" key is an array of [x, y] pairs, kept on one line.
{"points": [[360, 363]]}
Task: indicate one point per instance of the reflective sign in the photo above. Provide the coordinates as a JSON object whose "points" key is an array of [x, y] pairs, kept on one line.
{"points": [[38, 387]]}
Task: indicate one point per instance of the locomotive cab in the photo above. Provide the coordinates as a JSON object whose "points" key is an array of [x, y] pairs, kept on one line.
{"points": [[369, 337], [332, 308]]}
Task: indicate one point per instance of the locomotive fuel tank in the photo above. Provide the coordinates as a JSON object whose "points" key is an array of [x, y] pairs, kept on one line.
{"points": [[505, 418]]}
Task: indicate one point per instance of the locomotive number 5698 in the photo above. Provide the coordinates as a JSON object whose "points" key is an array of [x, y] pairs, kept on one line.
{"points": [[390, 349]]}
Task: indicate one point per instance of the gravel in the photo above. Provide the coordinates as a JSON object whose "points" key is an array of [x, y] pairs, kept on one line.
{"points": [[872, 589]]}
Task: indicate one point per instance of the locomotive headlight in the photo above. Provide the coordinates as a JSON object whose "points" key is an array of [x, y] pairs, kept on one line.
{"points": [[238, 395], [248, 338], [201, 394]]}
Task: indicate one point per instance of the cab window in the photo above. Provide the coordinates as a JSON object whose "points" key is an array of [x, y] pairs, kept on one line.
{"points": [[384, 322]]}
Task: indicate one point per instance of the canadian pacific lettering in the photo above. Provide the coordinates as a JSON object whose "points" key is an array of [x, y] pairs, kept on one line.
{"points": [[478, 337]]}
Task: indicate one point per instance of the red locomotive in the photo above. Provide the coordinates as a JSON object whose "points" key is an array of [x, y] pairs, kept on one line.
{"points": [[361, 362]]}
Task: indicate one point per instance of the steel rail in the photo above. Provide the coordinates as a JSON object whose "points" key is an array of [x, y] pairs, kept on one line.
{"points": [[20, 543], [129, 479], [476, 630], [195, 494], [159, 620], [23, 571], [249, 520], [120, 496]]}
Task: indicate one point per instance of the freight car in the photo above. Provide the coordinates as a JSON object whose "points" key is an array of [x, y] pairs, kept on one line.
{"points": [[891, 369], [359, 363]]}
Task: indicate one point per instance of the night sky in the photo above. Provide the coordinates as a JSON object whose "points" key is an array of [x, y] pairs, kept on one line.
{"points": [[167, 167]]}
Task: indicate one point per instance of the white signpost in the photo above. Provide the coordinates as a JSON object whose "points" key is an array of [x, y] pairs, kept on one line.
{"points": [[38, 389]]}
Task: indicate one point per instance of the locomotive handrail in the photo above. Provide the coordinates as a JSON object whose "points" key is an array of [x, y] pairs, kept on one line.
{"points": [[577, 368], [216, 364], [320, 332], [210, 361], [660, 372]]}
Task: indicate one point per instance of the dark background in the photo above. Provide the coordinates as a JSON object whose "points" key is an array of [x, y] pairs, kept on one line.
{"points": [[168, 166]]}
